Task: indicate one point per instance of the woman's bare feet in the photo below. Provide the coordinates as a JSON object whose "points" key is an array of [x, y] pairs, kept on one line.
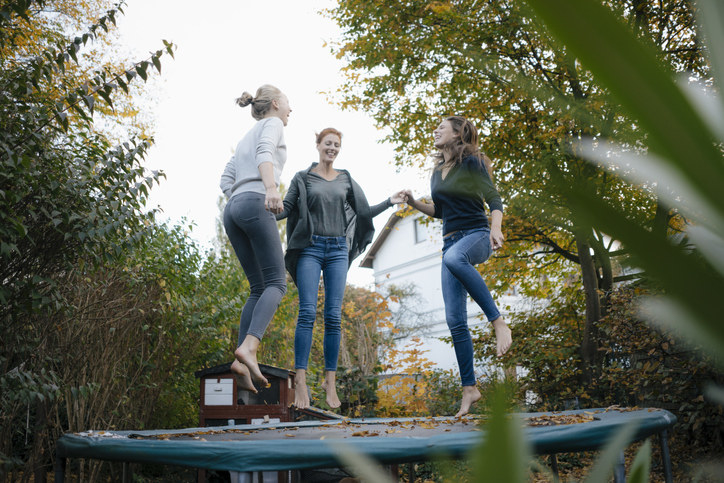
{"points": [[246, 354], [243, 377], [470, 396], [503, 336], [301, 393], [330, 386]]}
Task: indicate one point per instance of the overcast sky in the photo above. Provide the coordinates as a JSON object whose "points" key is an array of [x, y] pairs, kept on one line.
{"points": [[224, 48]]}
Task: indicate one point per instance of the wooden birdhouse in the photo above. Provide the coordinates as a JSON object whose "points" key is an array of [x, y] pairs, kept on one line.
{"points": [[222, 401]]}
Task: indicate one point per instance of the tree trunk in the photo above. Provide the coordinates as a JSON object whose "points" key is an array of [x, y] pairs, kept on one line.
{"points": [[589, 344], [660, 225], [605, 279]]}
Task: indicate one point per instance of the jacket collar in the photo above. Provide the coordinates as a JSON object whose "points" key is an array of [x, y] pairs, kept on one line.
{"points": [[306, 171]]}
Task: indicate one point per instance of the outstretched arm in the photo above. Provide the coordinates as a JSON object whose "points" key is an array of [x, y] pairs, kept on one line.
{"points": [[426, 208], [290, 200]]}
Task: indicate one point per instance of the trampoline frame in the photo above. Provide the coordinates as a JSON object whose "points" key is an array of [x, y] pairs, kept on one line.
{"points": [[252, 455]]}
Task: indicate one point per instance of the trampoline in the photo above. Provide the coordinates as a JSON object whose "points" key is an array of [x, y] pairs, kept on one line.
{"points": [[311, 444]]}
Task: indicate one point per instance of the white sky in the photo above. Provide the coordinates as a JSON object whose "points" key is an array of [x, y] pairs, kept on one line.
{"points": [[224, 48]]}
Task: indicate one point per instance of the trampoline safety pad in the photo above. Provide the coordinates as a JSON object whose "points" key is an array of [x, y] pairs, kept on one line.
{"points": [[312, 444]]}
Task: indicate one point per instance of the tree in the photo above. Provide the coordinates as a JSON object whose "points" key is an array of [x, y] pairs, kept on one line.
{"points": [[409, 63], [71, 206]]}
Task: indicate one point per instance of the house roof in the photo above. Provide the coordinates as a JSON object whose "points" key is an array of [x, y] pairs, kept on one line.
{"points": [[226, 368], [370, 255]]}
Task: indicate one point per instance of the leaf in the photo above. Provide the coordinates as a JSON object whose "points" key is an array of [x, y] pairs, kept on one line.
{"points": [[714, 393], [653, 170], [90, 101], [710, 16], [359, 464], [610, 454], [633, 74], [156, 62], [693, 286], [641, 467], [504, 455], [141, 70]]}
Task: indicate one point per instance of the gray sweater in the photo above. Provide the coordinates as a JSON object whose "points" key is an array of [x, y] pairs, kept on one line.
{"points": [[264, 143]]}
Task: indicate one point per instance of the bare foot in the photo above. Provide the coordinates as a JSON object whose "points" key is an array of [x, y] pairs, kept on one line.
{"points": [[246, 354], [301, 393], [470, 396], [503, 336], [243, 378], [330, 386]]}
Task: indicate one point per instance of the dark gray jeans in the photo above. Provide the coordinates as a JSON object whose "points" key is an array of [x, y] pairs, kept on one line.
{"points": [[253, 233]]}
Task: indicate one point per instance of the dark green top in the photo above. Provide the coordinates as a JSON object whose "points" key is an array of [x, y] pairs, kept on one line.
{"points": [[300, 225], [327, 200]]}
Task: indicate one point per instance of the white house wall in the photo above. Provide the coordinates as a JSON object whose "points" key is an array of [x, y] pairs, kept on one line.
{"points": [[401, 261]]}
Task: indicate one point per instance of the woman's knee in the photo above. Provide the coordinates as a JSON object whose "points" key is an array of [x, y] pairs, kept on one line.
{"points": [[332, 325], [459, 331], [307, 313], [454, 260]]}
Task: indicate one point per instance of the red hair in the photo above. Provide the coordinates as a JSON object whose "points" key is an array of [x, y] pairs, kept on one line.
{"points": [[328, 130]]}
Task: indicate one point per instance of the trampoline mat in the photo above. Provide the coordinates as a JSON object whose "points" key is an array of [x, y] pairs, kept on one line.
{"points": [[311, 444]]}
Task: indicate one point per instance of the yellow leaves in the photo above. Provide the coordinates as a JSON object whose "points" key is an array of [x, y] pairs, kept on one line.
{"points": [[439, 7]]}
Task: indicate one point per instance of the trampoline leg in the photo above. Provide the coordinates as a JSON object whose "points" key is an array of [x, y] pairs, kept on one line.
{"points": [[554, 466], [665, 456], [127, 476], [411, 472], [394, 472], [619, 472], [59, 469]]}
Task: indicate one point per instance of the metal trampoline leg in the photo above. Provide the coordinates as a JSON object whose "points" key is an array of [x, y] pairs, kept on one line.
{"points": [[554, 466], [127, 472], [665, 456], [59, 469], [619, 472]]}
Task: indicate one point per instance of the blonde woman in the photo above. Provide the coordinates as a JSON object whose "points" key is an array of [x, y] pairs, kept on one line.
{"points": [[460, 185], [251, 182]]}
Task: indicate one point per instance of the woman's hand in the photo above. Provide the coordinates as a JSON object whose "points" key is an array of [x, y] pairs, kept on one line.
{"points": [[273, 200], [409, 198], [496, 238], [398, 198]]}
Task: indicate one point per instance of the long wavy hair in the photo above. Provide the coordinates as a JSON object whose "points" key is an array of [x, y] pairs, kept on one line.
{"points": [[465, 144]]}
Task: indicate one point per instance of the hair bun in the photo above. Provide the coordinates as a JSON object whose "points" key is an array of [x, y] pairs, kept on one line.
{"points": [[245, 99]]}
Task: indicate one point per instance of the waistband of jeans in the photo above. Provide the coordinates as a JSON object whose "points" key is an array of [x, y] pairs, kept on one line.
{"points": [[329, 239], [456, 235]]}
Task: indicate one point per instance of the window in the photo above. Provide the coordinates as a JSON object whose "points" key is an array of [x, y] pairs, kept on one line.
{"points": [[421, 231]]}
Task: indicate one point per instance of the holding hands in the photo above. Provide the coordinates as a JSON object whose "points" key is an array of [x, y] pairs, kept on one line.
{"points": [[398, 198], [496, 232], [273, 200]]}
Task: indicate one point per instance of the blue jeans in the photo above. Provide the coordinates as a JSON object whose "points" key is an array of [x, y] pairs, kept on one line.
{"points": [[461, 251], [253, 233], [327, 255]]}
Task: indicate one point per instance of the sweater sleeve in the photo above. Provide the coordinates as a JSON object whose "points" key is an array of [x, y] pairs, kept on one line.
{"points": [[379, 208], [357, 199], [228, 177], [492, 197], [291, 198], [438, 211], [477, 168], [269, 139]]}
